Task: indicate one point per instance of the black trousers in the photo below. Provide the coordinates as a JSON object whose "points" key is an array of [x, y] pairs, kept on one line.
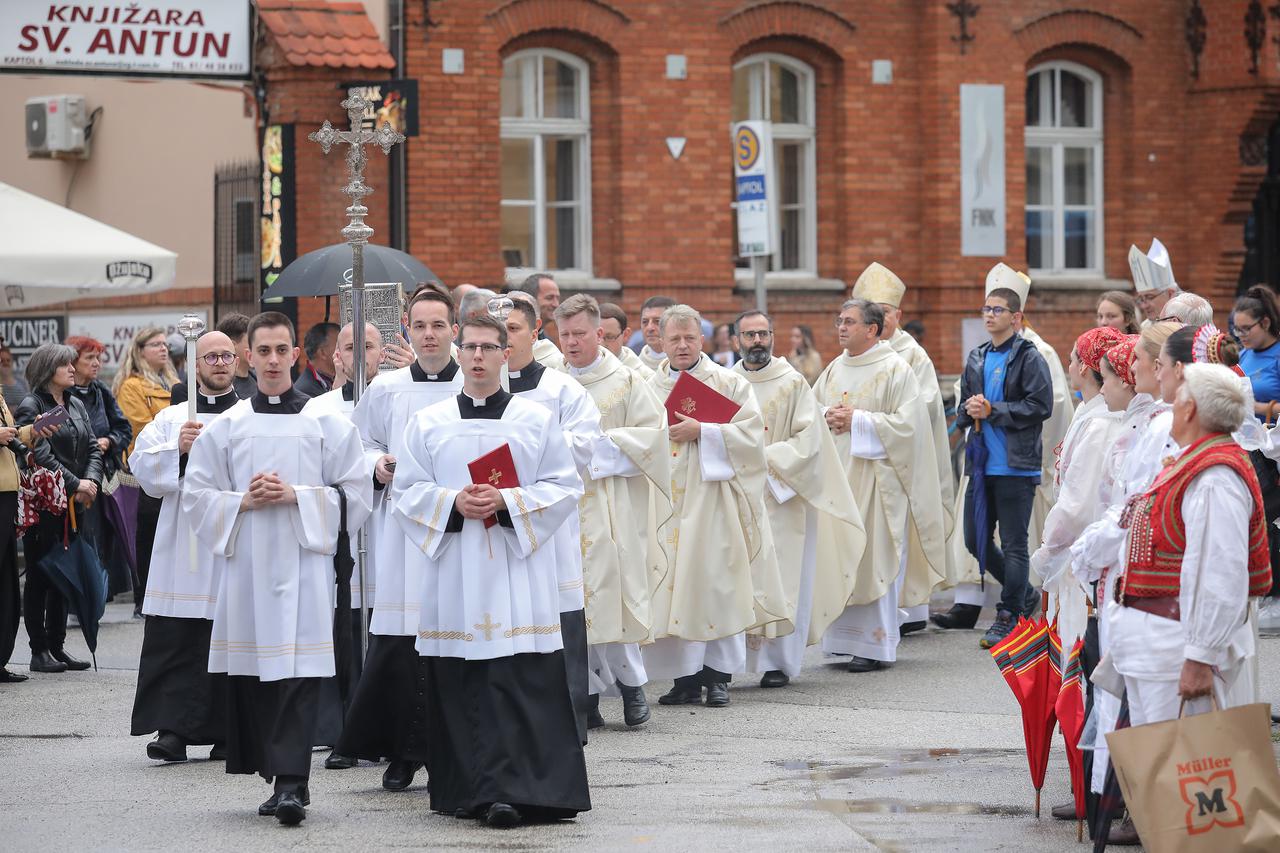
{"points": [[43, 607], [10, 593], [148, 517], [1009, 502]]}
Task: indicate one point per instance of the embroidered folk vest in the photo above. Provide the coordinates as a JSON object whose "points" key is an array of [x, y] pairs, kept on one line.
{"points": [[1158, 535]]}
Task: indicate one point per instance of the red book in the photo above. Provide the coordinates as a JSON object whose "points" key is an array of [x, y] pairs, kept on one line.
{"points": [[496, 468], [696, 399]]}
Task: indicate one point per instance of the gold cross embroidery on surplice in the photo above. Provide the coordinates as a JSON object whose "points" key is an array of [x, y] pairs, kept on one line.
{"points": [[488, 626]]}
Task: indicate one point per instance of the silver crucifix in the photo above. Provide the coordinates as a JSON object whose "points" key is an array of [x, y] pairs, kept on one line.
{"points": [[357, 233]]}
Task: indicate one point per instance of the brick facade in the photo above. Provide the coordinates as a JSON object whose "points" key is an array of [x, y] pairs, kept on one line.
{"points": [[888, 177]]}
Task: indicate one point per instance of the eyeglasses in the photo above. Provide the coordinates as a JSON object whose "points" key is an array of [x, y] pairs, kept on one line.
{"points": [[213, 358], [1246, 328], [844, 322], [487, 349], [993, 310], [156, 345], [612, 338], [762, 335]]}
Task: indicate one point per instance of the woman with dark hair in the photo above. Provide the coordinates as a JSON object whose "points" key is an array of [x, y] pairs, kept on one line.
{"points": [[1118, 310], [113, 433], [1256, 319], [724, 350], [73, 452], [804, 355]]}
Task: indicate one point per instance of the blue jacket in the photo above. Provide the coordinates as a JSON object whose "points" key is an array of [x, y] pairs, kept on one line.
{"points": [[1028, 400]]}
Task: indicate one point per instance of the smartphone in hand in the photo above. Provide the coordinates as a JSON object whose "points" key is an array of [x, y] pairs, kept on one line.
{"points": [[57, 416]]}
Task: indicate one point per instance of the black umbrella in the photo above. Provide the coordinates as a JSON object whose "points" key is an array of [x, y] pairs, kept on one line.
{"points": [[320, 272], [75, 572]]}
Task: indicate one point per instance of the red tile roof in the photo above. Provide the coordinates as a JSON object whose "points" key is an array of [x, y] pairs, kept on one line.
{"points": [[317, 33]]}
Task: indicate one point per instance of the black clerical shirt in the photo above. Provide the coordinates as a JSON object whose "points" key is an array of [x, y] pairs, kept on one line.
{"points": [[491, 408]]}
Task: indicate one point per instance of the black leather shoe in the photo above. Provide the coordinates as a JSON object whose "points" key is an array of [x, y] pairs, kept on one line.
{"points": [[268, 807], [963, 616], [775, 678], [502, 816], [911, 627], [635, 707], [859, 664], [1123, 834], [679, 694], [289, 809], [7, 677], [1066, 811], [45, 662], [72, 663], [399, 774], [337, 761], [167, 747], [218, 752], [717, 694], [594, 720]]}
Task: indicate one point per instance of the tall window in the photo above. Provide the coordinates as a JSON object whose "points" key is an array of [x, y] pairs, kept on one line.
{"points": [[1064, 169], [546, 178], [778, 89]]}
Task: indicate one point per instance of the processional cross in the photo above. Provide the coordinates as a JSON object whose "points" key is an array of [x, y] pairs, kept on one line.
{"points": [[357, 232]]}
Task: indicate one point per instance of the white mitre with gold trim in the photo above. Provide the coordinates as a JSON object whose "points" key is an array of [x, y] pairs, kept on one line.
{"points": [[879, 284]]}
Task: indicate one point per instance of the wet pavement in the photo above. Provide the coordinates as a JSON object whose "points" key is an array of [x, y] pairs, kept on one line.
{"points": [[925, 756]]}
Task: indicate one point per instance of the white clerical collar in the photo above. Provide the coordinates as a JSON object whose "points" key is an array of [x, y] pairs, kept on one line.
{"points": [[514, 374], [475, 401], [273, 399], [578, 371]]}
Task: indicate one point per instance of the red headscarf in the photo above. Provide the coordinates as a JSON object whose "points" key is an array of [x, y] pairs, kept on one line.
{"points": [[1092, 344], [1120, 357]]}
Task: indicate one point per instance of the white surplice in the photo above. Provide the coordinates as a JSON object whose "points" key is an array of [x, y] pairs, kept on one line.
{"points": [[385, 409], [183, 581], [486, 592], [274, 615]]}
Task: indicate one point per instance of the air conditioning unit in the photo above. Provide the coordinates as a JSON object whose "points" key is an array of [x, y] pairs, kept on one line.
{"points": [[56, 127]]}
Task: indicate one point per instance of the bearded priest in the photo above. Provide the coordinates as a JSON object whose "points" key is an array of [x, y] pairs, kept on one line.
{"points": [[873, 398], [722, 578], [817, 530]]}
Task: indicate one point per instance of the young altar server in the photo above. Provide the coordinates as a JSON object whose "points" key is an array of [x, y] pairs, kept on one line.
{"points": [[264, 490]]}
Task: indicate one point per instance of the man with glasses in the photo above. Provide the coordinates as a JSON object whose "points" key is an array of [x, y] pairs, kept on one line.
{"points": [[817, 529], [1152, 280], [1006, 391], [881, 428], [616, 334], [177, 696], [880, 285], [502, 743]]}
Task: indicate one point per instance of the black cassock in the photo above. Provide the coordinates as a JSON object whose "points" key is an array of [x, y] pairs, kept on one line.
{"points": [[176, 692], [502, 730]]}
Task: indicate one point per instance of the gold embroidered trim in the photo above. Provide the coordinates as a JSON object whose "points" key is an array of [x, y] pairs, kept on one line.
{"points": [[446, 635], [524, 516], [435, 519], [532, 629]]}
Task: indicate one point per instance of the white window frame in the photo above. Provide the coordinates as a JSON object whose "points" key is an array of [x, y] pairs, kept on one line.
{"points": [[805, 133], [539, 129], [1057, 139]]}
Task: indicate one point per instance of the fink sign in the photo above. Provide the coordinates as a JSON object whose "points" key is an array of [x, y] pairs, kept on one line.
{"points": [[163, 38]]}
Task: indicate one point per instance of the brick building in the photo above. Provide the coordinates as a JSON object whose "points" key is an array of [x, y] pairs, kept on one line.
{"points": [[545, 131]]}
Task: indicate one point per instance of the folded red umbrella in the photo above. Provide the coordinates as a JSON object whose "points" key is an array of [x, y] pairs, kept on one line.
{"points": [[1024, 660], [1069, 708]]}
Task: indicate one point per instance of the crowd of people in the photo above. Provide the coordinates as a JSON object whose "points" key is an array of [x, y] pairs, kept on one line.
{"points": [[538, 523]]}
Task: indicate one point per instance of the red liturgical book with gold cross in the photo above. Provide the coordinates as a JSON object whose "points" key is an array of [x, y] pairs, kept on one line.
{"points": [[696, 399], [496, 468]]}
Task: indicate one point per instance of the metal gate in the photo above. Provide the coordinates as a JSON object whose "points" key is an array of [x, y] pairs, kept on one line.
{"points": [[236, 239]]}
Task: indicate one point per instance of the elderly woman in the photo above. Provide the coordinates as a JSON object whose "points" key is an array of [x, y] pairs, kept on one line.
{"points": [[113, 433], [73, 452], [1197, 553], [142, 387]]}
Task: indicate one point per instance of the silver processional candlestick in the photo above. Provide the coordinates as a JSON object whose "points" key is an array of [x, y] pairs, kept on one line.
{"points": [[191, 327], [357, 232]]}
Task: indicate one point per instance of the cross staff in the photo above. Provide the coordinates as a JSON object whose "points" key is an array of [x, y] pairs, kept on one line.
{"points": [[357, 232]]}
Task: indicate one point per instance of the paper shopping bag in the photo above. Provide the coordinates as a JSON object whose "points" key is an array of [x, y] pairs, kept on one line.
{"points": [[1202, 784]]}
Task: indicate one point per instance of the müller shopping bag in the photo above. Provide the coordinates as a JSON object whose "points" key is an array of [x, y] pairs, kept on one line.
{"points": [[1202, 784]]}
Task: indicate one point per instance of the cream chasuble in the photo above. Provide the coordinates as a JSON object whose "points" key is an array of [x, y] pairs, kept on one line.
{"points": [[723, 577], [805, 478], [883, 388], [386, 407], [931, 393], [650, 359], [630, 360], [619, 523], [546, 353], [486, 592], [274, 614]]}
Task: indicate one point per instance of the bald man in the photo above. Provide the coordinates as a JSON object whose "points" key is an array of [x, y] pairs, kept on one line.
{"points": [[177, 696]]}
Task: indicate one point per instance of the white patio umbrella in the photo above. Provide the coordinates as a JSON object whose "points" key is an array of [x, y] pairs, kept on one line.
{"points": [[51, 254]]}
